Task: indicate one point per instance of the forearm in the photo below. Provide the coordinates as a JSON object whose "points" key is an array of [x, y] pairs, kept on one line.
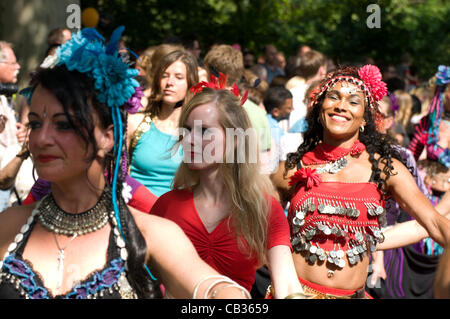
{"points": [[282, 272], [440, 230], [443, 207], [201, 282], [403, 234], [9, 173], [420, 208], [378, 257]]}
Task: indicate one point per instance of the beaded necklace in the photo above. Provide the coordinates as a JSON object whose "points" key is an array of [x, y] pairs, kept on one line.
{"points": [[56, 220]]}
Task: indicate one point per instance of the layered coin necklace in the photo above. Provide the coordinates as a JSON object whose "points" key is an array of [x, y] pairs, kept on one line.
{"points": [[332, 159], [56, 220]]}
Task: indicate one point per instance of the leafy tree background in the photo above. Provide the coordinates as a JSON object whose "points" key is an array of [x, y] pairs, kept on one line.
{"points": [[336, 28]]}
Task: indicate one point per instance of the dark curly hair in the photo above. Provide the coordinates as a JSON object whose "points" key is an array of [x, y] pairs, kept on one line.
{"points": [[376, 143]]}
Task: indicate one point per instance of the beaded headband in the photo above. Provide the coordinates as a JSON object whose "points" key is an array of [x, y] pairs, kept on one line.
{"points": [[370, 83], [218, 83]]}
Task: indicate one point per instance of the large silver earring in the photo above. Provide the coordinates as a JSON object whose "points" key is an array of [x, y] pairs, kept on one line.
{"points": [[361, 129]]}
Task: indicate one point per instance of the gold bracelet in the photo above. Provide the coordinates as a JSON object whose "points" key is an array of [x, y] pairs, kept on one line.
{"points": [[297, 295]]}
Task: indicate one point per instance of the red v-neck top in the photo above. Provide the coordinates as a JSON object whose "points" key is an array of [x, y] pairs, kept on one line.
{"points": [[220, 247]]}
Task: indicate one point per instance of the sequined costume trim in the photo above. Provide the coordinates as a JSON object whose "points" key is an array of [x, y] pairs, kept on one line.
{"points": [[25, 280], [112, 281], [332, 223]]}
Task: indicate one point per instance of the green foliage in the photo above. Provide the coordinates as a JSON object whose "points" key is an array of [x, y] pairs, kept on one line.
{"points": [[336, 28]]}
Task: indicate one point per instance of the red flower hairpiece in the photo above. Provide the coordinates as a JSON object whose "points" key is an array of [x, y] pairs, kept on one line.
{"points": [[218, 83], [372, 78]]}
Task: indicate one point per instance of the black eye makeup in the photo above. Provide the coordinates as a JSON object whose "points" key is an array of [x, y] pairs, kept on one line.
{"points": [[63, 125], [32, 125]]}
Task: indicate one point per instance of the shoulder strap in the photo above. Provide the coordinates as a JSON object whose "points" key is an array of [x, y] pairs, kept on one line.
{"points": [[143, 127], [21, 244]]}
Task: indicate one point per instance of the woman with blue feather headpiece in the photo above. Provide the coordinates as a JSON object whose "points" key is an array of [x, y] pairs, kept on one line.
{"points": [[82, 240]]}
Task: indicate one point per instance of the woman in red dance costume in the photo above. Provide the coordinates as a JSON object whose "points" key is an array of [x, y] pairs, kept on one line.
{"points": [[223, 204], [339, 178]]}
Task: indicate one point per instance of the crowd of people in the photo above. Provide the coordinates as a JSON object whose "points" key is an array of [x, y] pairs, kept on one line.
{"points": [[107, 189]]}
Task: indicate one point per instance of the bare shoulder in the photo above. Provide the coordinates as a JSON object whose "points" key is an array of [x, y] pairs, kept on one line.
{"points": [[399, 167], [133, 122], [11, 220]]}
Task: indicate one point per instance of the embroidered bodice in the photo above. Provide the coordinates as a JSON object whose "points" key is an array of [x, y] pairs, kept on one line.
{"points": [[332, 220], [18, 279]]}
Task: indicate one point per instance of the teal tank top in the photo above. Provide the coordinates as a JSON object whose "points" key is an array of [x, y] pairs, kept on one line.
{"points": [[152, 162]]}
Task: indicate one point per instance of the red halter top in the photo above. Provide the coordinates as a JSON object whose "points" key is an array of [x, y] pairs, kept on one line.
{"points": [[334, 222]]}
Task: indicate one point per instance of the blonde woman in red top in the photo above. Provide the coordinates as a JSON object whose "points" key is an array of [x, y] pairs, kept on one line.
{"points": [[222, 202]]}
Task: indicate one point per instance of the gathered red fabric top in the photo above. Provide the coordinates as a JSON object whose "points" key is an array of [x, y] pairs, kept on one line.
{"points": [[220, 248]]}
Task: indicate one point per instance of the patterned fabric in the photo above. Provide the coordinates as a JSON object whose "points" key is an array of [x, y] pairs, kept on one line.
{"points": [[29, 284], [19, 280]]}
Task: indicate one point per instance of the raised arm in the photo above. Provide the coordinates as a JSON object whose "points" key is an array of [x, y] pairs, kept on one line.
{"points": [[176, 263], [9, 172], [406, 193], [403, 234], [407, 233]]}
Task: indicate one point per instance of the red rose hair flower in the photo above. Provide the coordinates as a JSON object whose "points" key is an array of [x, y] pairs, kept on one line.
{"points": [[372, 78]]}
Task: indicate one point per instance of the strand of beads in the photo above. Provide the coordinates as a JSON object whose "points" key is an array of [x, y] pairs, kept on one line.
{"points": [[19, 237]]}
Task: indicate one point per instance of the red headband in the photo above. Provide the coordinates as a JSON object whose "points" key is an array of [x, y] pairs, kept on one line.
{"points": [[370, 83]]}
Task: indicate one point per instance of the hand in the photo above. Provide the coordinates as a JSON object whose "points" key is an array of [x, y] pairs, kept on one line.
{"points": [[24, 152], [22, 132], [3, 120], [378, 271]]}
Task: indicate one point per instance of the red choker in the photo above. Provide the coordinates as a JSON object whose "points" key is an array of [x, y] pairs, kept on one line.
{"points": [[324, 153]]}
